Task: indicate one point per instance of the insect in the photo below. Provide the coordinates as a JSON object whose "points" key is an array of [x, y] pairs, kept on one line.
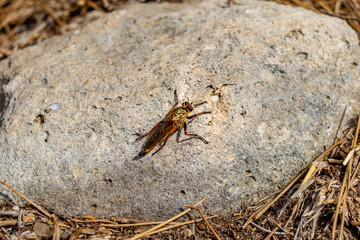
{"points": [[176, 119]]}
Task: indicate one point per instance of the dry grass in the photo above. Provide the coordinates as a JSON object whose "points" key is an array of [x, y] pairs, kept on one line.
{"points": [[322, 202], [26, 22]]}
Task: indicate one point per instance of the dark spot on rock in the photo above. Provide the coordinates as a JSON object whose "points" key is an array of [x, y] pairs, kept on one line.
{"points": [[46, 136], [108, 182], [39, 119], [252, 178], [303, 55], [295, 34], [353, 65]]}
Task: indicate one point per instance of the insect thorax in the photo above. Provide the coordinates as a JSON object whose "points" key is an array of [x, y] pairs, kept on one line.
{"points": [[179, 116]]}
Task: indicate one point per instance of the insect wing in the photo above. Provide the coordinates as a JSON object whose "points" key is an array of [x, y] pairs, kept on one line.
{"points": [[162, 130]]}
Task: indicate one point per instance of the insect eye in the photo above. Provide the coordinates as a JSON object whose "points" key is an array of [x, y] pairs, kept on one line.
{"points": [[189, 106]]}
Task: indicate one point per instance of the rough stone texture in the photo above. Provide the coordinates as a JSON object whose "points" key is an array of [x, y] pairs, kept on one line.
{"points": [[293, 72]]}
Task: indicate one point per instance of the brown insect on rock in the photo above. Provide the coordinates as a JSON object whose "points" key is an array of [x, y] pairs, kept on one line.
{"points": [[176, 119]]}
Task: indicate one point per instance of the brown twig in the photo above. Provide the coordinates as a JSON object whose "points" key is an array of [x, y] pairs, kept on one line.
{"points": [[6, 223], [318, 159], [175, 225], [344, 191], [92, 231], [57, 232], [347, 181], [131, 224], [75, 235], [203, 217], [9, 213], [46, 213], [3, 237], [168, 221], [268, 231], [52, 14], [128, 220], [92, 221], [268, 237]]}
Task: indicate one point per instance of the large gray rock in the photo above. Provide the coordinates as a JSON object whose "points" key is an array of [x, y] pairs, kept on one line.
{"points": [[292, 73]]}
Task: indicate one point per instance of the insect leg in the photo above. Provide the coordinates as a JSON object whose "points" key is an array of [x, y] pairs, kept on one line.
{"points": [[148, 132], [196, 115], [163, 144], [194, 135], [176, 100]]}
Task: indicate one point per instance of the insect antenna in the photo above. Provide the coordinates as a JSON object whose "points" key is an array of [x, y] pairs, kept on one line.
{"points": [[198, 104]]}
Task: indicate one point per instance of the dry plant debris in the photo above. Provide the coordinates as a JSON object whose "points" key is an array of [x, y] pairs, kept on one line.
{"points": [[322, 202], [27, 22]]}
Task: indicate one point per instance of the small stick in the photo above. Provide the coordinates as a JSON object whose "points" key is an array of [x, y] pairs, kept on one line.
{"points": [[93, 231], [3, 237], [275, 229], [318, 159], [336, 214], [27, 199], [53, 15], [203, 217], [57, 232], [94, 6], [277, 224], [310, 172], [9, 213], [335, 161], [178, 225], [166, 222], [354, 174], [75, 235], [128, 220], [268, 231], [92, 221], [271, 234], [346, 182], [131, 224], [344, 190], [19, 223], [7, 223]]}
